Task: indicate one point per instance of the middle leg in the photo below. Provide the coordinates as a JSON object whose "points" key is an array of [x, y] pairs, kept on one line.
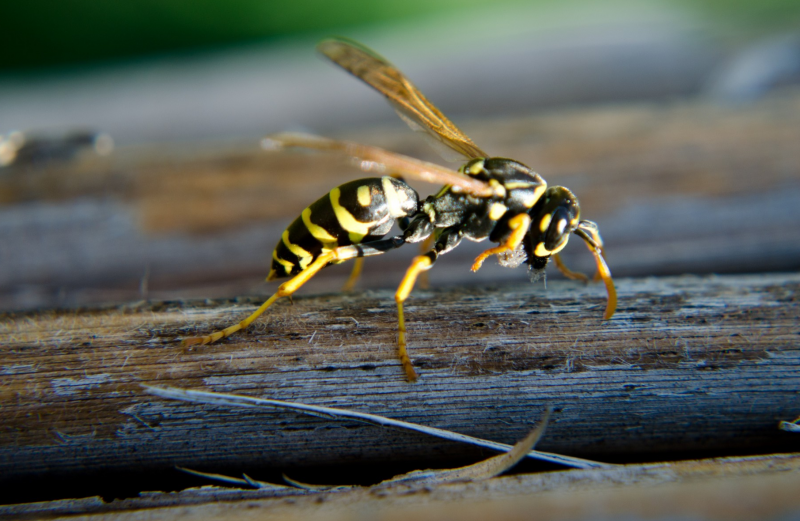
{"points": [[448, 240]]}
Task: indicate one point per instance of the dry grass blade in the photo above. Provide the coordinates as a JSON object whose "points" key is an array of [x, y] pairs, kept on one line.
{"points": [[246, 481], [212, 398], [485, 469]]}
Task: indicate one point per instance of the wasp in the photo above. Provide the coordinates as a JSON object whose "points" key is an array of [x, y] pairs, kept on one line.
{"points": [[488, 198]]}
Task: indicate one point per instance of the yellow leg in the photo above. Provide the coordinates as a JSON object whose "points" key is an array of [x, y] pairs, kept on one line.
{"points": [[354, 275], [597, 275], [605, 274], [284, 290], [423, 247], [418, 265], [574, 275], [587, 230], [519, 225]]}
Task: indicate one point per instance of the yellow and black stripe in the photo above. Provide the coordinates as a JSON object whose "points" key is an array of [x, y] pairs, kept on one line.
{"points": [[356, 212]]}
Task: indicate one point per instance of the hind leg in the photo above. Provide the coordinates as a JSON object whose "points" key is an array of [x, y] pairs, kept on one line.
{"points": [[286, 289], [358, 265]]}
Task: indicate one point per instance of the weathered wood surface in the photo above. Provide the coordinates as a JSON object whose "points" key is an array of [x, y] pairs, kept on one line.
{"points": [[687, 187], [688, 365], [763, 488]]}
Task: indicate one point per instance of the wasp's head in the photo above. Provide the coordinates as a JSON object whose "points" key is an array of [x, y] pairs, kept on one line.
{"points": [[553, 218]]}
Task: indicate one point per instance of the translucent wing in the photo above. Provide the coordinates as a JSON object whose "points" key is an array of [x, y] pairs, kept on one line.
{"points": [[409, 102], [382, 162]]}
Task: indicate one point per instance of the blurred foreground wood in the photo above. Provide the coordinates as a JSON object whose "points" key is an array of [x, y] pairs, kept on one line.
{"points": [[689, 365], [762, 488]]}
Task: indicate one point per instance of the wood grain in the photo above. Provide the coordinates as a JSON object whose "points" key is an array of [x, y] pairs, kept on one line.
{"points": [[688, 364]]}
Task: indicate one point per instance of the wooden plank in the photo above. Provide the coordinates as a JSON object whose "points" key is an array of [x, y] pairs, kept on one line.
{"points": [[688, 365]]}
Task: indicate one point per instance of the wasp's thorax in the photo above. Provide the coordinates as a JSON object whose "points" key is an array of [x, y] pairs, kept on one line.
{"points": [[516, 185]]}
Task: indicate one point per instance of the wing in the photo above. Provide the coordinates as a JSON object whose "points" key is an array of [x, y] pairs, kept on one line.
{"points": [[409, 102], [383, 162]]}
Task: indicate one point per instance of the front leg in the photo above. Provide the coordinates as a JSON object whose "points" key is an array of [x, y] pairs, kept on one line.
{"points": [[519, 225]]}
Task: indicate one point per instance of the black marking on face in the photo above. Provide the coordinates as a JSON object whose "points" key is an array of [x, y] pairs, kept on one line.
{"points": [[554, 218]]}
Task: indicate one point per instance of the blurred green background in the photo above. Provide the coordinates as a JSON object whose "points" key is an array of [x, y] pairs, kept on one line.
{"points": [[157, 71], [40, 34]]}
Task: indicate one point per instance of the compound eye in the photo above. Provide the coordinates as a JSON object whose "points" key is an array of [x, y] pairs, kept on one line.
{"points": [[558, 230]]}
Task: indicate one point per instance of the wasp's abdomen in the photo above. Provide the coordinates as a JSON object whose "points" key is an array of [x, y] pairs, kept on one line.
{"points": [[355, 212]]}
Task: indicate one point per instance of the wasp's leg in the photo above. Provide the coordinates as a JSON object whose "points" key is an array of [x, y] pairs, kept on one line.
{"points": [[418, 229], [424, 246], [286, 289], [605, 274], [588, 231], [419, 264], [519, 225], [574, 275], [358, 265], [448, 240]]}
